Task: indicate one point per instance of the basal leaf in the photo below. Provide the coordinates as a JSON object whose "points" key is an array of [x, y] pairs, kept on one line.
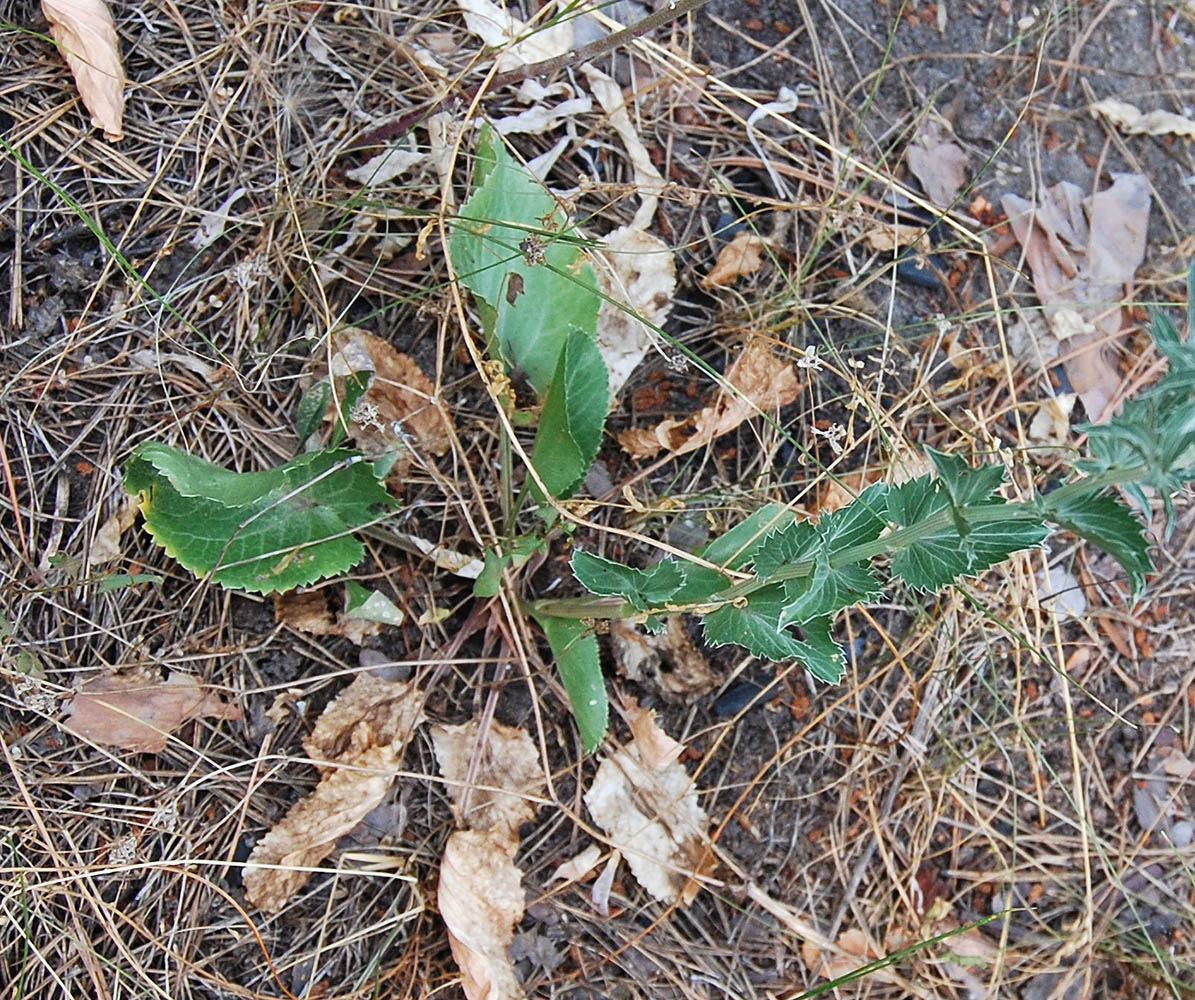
{"points": [[754, 624], [644, 588], [1110, 524], [512, 248], [576, 651], [260, 531], [570, 427], [827, 590]]}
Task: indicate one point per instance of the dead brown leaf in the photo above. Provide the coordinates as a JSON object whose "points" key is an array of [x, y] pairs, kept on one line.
{"points": [[359, 742], [1081, 254], [652, 816], [105, 547], [641, 657], [498, 793], [758, 381], [741, 256], [306, 611], [832, 965], [937, 161], [86, 36], [481, 900], [139, 711], [399, 403], [656, 748]]}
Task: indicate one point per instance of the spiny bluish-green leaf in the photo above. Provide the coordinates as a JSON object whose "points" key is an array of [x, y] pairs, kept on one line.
{"points": [[578, 659], [260, 531], [512, 248], [940, 558], [792, 543], [857, 523], [966, 485], [570, 427], [819, 653], [736, 548], [1110, 524], [827, 590], [753, 624], [644, 588], [700, 585]]}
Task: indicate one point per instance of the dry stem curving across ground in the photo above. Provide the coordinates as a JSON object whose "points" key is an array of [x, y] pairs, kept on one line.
{"points": [[1019, 748]]}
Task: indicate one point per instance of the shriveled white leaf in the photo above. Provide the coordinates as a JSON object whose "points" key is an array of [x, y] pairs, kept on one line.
{"points": [[86, 37], [481, 900], [578, 867], [641, 277], [498, 792], [386, 166], [211, 227], [649, 182], [652, 816], [542, 118], [1131, 119], [458, 563], [600, 894], [498, 28], [1061, 593], [1051, 424], [318, 49]]}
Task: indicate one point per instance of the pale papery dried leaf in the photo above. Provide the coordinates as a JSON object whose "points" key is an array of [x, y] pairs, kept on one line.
{"points": [[546, 38], [656, 748], [758, 381], [938, 163], [139, 711], [481, 901], [1129, 118], [641, 276], [578, 867], [654, 819], [641, 657], [833, 965], [369, 711], [400, 400], [308, 832], [743, 255], [508, 778], [105, 547], [86, 37]]}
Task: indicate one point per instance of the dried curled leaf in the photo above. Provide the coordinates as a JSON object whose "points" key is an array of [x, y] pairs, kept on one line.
{"points": [[505, 782], [742, 255], [139, 711], [86, 37], [641, 657], [1131, 119], [650, 813], [937, 161], [359, 738], [481, 900], [758, 381]]}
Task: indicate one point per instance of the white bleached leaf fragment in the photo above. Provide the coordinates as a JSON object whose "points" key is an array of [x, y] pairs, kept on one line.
{"points": [[86, 36], [318, 49], [520, 44], [600, 893], [386, 166], [1131, 119], [211, 227], [652, 816], [578, 867], [457, 563], [542, 118], [640, 277]]}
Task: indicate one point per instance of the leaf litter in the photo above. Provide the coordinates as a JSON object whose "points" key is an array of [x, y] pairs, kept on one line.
{"points": [[357, 744], [139, 711], [494, 779], [86, 37], [1081, 253]]}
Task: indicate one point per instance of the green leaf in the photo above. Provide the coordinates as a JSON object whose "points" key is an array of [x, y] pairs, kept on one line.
{"points": [[260, 531], [861, 521], [963, 484], [517, 551], [644, 588], [792, 543], [827, 590], [313, 404], [754, 624], [370, 605], [819, 653], [576, 651], [512, 249], [973, 541], [1110, 524], [736, 548], [570, 427]]}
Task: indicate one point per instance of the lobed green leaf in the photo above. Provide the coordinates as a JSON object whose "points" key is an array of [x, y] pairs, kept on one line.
{"points": [[1106, 522], [646, 589]]}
